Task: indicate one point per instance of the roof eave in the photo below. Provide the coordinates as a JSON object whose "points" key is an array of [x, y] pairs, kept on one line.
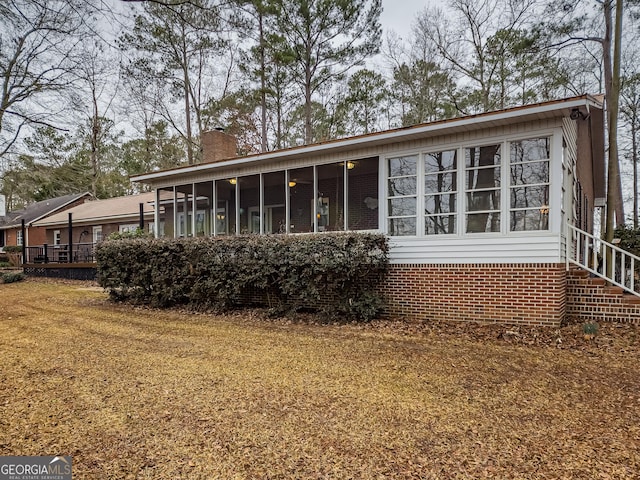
{"points": [[585, 101]]}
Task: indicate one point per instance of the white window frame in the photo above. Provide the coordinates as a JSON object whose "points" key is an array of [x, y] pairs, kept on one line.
{"points": [[457, 192], [56, 237], [526, 185], [555, 175], [417, 195], [96, 234]]}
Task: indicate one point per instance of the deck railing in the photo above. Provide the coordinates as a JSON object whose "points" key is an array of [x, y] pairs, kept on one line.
{"points": [[78, 253], [603, 259]]}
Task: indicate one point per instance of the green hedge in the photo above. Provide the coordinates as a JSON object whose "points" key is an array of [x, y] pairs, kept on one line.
{"points": [[337, 274], [11, 277]]}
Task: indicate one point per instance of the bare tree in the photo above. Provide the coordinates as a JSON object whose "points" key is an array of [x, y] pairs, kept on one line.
{"points": [[36, 42], [176, 45], [93, 75], [476, 44]]}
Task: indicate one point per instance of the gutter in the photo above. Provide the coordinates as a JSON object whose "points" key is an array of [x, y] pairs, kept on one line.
{"points": [[390, 136]]}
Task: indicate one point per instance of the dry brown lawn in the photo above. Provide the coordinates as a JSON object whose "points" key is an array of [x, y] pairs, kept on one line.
{"points": [[137, 393]]}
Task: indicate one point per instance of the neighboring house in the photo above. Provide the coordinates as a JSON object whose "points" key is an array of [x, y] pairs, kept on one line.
{"points": [[11, 223], [93, 221], [476, 208]]}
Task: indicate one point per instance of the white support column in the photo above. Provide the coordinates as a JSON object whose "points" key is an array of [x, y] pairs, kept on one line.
{"points": [[238, 228], [175, 212], [261, 209], [345, 200], [156, 214], [556, 181], [193, 209], [287, 201], [315, 199]]}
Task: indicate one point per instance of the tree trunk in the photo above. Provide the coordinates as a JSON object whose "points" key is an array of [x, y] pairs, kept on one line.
{"points": [[612, 87], [95, 132], [308, 127], [634, 159], [263, 87], [187, 106]]}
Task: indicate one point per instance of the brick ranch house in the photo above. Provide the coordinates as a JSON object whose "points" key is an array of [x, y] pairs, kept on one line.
{"points": [[11, 223], [476, 208], [91, 222]]}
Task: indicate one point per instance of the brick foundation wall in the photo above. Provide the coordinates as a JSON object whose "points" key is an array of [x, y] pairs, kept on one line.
{"points": [[589, 299], [528, 294]]}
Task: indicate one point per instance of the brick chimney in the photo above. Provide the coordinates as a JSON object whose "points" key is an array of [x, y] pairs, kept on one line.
{"points": [[218, 146]]}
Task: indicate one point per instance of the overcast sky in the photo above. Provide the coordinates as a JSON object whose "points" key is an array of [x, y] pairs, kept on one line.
{"points": [[398, 15]]}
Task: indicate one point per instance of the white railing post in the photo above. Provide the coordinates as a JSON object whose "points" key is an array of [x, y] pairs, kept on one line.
{"points": [[589, 260]]}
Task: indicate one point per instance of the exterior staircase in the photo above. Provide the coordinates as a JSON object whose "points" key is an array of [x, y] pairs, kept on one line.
{"points": [[590, 298], [602, 279]]}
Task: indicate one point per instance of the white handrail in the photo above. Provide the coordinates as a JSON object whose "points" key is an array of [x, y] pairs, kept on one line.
{"points": [[592, 253]]}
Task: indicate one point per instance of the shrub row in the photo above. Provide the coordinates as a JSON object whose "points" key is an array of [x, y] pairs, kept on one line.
{"points": [[11, 277], [337, 274]]}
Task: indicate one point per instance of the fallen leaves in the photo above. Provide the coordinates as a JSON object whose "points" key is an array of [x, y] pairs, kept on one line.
{"points": [[141, 393]]}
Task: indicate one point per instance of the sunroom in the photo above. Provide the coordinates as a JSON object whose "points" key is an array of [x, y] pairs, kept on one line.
{"points": [[495, 189]]}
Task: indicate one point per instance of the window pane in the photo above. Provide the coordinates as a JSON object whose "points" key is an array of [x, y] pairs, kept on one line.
{"points": [[402, 207], [402, 226], [445, 203], [301, 198], [441, 182], [523, 197], [403, 166], [522, 220], [535, 172], [529, 166], [226, 206], [363, 197], [184, 206], [482, 156], [204, 208], [249, 203], [531, 149], [166, 211], [440, 224], [331, 190], [440, 161], [274, 202], [485, 200], [483, 222], [402, 186], [483, 178]]}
